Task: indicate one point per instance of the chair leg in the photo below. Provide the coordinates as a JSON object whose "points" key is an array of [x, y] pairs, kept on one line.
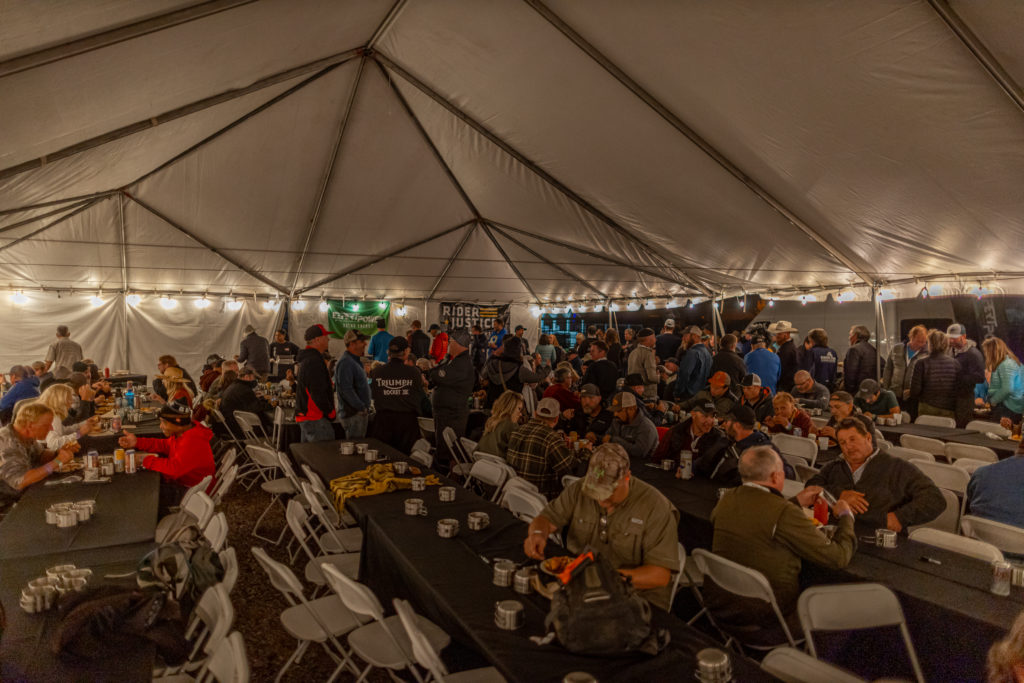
{"points": [[301, 647], [260, 519]]}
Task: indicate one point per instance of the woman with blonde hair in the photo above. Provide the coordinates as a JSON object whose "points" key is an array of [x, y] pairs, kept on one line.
{"points": [[178, 388], [59, 398], [506, 415], [1005, 390]]}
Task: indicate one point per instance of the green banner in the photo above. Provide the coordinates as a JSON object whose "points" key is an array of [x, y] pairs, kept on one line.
{"points": [[343, 316]]}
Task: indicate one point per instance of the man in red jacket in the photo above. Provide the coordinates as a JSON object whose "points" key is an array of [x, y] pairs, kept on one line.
{"points": [[188, 457], [439, 347]]}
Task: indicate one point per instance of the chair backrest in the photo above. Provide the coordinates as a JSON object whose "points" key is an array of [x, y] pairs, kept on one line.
{"points": [[454, 446], [790, 488], [422, 651], [945, 476], [489, 473], [681, 555], [286, 466], [987, 427], [971, 547], [318, 510], [216, 532], [794, 666], [355, 595], [422, 457], [853, 606], [226, 461], [228, 661], [480, 455], [216, 612], [224, 423], [248, 422], [1006, 537], [923, 443], [281, 576], [966, 450], [740, 580], [318, 488], [201, 507], [949, 519], [796, 445], [423, 444], [224, 484], [193, 490], [229, 561], [935, 421], [469, 446], [524, 504], [969, 465], [426, 425], [909, 454], [262, 455], [529, 400], [819, 422], [298, 521]]}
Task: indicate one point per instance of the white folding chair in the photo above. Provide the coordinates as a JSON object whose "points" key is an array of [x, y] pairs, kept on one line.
{"points": [[790, 488], [923, 443], [423, 444], [175, 520], [851, 607], [383, 644], [425, 655], [426, 425], [796, 445], [800, 466], [949, 519], [743, 581], [819, 422], [529, 400], [326, 502], [935, 421], [224, 484], [252, 428], [212, 619], [322, 621], [963, 545], [945, 476], [969, 465], [201, 507], [334, 540], [679, 575], [226, 462], [298, 522], [468, 446], [486, 474], [986, 427], [228, 662], [954, 451], [1006, 537], [461, 463], [524, 504], [267, 460], [422, 457], [517, 483], [793, 666], [909, 454], [216, 532], [229, 561]]}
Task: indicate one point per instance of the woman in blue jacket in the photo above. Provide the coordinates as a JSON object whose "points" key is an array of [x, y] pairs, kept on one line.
{"points": [[1005, 390]]}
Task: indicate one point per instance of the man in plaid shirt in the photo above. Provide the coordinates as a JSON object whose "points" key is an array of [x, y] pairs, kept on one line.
{"points": [[537, 453]]}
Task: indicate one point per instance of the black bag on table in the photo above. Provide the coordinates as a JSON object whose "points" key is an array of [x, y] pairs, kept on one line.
{"points": [[599, 613]]}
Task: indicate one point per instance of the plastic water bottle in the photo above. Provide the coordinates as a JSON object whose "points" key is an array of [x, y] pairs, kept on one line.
{"points": [[797, 431], [685, 470]]}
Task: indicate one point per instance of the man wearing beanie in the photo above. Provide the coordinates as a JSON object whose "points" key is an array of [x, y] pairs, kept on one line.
{"points": [[397, 391]]}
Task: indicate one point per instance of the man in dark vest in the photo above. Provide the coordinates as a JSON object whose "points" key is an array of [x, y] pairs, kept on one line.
{"points": [[397, 390], [453, 383]]}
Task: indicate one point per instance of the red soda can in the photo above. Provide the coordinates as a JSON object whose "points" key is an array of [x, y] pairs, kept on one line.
{"points": [[821, 510]]}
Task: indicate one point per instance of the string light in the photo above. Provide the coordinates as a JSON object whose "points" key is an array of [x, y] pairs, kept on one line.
{"points": [[633, 306], [19, 298], [133, 300], [672, 304], [167, 302], [650, 305], [323, 306], [202, 302], [299, 305], [234, 305], [272, 304], [535, 311], [96, 301]]}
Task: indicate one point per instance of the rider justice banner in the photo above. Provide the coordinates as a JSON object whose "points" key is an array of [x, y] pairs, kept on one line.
{"points": [[462, 315]]}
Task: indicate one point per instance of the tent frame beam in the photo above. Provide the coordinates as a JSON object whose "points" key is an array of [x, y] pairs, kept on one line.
{"points": [[314, 221], [979, 51], [541, 257], [123, 241], [861, 269], [451, 259], [386, 23], [195, 238], [497, 245], [113, 36], [26, 221], [377, 259], [52, 224], [55, 202], [528, 163]]}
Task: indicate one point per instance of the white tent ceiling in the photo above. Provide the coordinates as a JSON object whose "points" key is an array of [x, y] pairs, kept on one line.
{"points": [[508, 150]]}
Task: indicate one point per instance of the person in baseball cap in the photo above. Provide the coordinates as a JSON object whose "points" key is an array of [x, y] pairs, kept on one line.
{"points": [[756, 397], [697, 434], [719, 391], [640, 512], [315, 332], [537, 453], [353, 336], [785, 349], [972, 371], [874, 401], [632, 428]]}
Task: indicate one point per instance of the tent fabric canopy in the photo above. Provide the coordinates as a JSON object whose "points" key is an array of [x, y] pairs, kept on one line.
{"points": [[513, 150]]}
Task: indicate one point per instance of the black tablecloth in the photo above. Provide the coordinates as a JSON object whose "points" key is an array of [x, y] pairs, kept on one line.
{"points": [[448, 581], [105, 444], [25, 653], [942, 433], [126, 510], [1004, 448], [118, 380]]}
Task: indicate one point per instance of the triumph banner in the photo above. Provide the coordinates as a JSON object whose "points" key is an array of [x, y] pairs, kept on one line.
{"points": [[462, 315], [362, 316]]}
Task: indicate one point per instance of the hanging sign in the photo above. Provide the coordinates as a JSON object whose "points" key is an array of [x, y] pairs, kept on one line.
{"points": [[343, 316], [463, 315]]}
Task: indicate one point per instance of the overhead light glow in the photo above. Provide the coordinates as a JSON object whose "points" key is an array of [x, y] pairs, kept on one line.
{"points": [[400, 311], [935, 290], [535, 311], [633, 306], [167, 302], [323, 307], [614, 307], [234, 305], [848, 295], [382, 304], [96, 301], [133, 300], [202, 303], [272, 304], [886, 295], [650, 305], [19, 298], [299, 305], [672, 304], [582, 308], [689, 303], [598, 308], [771, 303]]}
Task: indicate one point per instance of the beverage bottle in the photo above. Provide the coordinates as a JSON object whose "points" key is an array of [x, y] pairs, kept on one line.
{"points": [[821, 510], [106, 372], [797, 431], [685, 470]]}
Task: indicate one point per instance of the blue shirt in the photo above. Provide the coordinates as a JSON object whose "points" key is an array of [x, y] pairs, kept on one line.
{"points": [[379, 345], [351, 384], [24, 388], [498, 338], [996, 491], [766, 365], [694, 370]]}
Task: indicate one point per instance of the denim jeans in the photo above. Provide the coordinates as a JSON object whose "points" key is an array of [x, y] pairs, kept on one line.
{"points": [[355, 426], [317, 430]]}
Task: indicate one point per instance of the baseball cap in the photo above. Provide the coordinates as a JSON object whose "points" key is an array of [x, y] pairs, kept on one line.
{"points": [[868, 388], [608, 466], [433, 327], [692, 329], [353, 336], [381, 323], [519, 327], [742, 414], [645, 332], [707, 407], [590, 390], [956, 330], [782, 326], [751, 380], [758, 338], [398, 344], [623, 399], [460, 337], [315, 332], [670, 323], [634, 380], [720, 378], [548, 408]]}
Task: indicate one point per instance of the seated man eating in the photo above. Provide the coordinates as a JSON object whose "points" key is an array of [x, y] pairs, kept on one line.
{"points": [[187, 450], [23, 461], [627, 520]]}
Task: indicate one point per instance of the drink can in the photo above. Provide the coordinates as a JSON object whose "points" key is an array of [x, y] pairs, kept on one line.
{"points": [[797, 431], [115, 423], [685, 465], [92, 459], [1002, 574], [130, 467], [119, 460]]}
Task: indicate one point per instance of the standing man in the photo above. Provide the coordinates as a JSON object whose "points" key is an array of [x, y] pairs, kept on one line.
{"points": [[419, 341], [63, 353], [667, 343], [255, 350], [379, 342], [728, 361], [763, 363], [642, 362], [789, 362], [694, 365], [453, 383], [397, 391], [972, 371], [523, 342], [497, 337], [899, 367], [314, 406], [861, 360], [478, 348], [439, 347], [282, 346], [601, 371], [351, 386]]}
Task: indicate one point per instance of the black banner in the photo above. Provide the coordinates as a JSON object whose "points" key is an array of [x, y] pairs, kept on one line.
{"points": [[457, 315]]}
